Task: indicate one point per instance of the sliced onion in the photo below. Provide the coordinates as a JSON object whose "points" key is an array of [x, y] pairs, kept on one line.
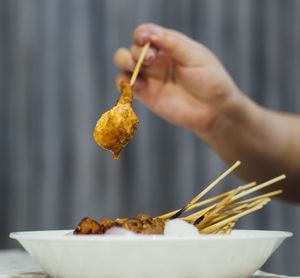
{"points": [[180, 228], [119, 231]]}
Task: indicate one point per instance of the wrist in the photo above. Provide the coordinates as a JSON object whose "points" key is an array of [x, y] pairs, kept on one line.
{"points": [[237, 116]]}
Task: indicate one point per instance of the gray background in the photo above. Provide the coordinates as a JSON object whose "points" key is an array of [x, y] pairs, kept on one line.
{"points": [[57, 76]]}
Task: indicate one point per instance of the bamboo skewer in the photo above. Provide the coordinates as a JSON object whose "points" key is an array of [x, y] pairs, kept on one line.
{"points": [[273, 193], [237, 207], [207, 189], [208, 201], [218, 207], [220, 224], [226, 229], [197, 215], [138, 64], [260, 186], [242, 206], [221, 217]]}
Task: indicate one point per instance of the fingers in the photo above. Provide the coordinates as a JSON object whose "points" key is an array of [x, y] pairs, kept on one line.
{"points": [[183, 49], [124, 60], [124, 76], [139, 84], [174, 44], [150, 56]]}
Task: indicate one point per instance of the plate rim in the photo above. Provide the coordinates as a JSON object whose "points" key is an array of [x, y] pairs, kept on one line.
{"points": [[62, 235]]}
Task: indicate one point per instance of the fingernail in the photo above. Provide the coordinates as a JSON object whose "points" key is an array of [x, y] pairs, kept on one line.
{"points": [[156, 33], [154, 37], [143, 38]]}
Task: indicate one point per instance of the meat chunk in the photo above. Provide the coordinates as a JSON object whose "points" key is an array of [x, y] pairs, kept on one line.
{"points": [[108, 223], [117, 126], [88, 226], [142, 224]]}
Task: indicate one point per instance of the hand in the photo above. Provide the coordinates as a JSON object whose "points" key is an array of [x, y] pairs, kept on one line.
{"points": [[181, 80], [184, 83]]}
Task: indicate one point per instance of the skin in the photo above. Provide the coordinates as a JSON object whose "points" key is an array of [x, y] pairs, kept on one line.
{"points": [[184, 83]]}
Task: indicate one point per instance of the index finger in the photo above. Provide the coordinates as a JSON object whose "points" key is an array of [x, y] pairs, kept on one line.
{"points": [[181, 48]]}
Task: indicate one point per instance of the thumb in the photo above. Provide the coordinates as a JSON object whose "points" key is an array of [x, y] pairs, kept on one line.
{"points": [[180, 47]]}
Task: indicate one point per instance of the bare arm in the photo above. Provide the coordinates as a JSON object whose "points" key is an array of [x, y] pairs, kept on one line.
{"points": [[267, 142], [183, 82]]}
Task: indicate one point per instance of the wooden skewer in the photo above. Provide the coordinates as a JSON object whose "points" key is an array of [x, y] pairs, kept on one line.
{"points": [[138, 64], [240, 195], [240, 207], [220, 217], [273, 193], [193, 217], [225, 174], [220, 224], [236, 207], [230, 227], [208, 201], [209, 214], [219, 206], [201, 194], [223, 213], [258, 187], [226, 229]]}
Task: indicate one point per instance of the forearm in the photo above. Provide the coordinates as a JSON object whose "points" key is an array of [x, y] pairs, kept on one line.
{"points": [[267, 143]]}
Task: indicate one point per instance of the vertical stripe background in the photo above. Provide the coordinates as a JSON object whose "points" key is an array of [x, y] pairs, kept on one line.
{"points": [[57, 77]]}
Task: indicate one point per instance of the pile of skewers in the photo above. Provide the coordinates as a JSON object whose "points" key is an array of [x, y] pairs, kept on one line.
{"points": [[218, 215]]}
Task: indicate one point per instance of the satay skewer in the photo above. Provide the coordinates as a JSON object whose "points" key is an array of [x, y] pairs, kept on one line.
{"points": [[208, 201], [253, 187], [259, 186], [138, 64], [212, 228], [206, 190], [117, 127], [243, 205]]}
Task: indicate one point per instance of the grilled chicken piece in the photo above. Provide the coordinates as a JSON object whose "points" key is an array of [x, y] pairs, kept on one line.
{"points": [[151, 226], [108, 223], [142, 224], [117, 126], [88, 226]]}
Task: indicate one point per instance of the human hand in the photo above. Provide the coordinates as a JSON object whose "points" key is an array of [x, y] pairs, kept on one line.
{"points": [[184, 83], [181, 80]]}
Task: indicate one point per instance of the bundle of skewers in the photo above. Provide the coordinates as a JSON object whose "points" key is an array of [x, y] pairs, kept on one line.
{"points": [[226, 209], [216, 215]]}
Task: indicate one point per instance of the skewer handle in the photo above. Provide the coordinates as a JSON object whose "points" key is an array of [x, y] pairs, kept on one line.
{"points": [[138, 64]]}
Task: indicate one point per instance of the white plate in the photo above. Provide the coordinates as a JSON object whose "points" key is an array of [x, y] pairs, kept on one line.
{"points": [[237, 255]]}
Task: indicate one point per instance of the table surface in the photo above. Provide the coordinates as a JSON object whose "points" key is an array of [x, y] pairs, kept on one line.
{"points": [[19, 264]]}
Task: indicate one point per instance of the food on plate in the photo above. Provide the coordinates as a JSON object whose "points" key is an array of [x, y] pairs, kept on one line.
{"points": [[218, 215], [142, 224], [119, 231], [180, 228], [89, 226], [117, 126]]}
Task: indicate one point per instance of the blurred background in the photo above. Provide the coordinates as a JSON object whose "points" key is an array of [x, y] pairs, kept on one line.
{"points": [[57, 77]]}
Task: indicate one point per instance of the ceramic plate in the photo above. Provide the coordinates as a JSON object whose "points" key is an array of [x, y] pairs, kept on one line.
{"points": [[236, 255]]}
